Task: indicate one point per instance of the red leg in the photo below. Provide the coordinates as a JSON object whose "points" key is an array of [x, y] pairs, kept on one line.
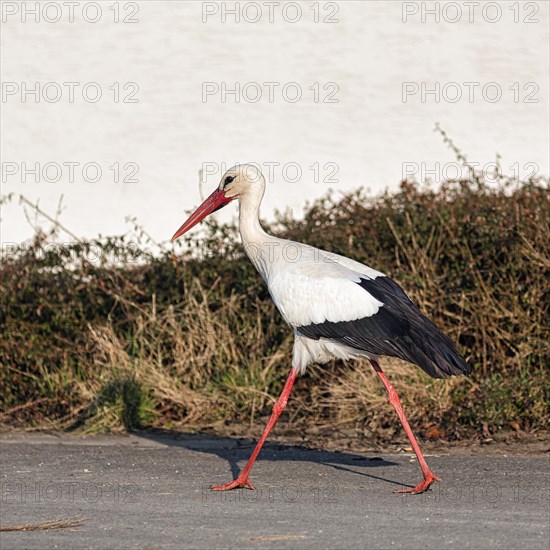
{"points": [[278, 408], [393, 398]]}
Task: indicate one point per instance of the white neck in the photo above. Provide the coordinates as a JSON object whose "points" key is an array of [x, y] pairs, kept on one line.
{"points": [[255, 239], [249, 217]]}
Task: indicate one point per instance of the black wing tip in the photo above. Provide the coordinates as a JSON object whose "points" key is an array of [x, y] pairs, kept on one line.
{"points": [[439, 357], [447, 371]]}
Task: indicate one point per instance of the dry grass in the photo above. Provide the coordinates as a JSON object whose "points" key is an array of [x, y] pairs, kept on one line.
{"points": [[175, 359]]}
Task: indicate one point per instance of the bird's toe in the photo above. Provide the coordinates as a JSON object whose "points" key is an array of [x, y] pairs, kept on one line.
{"points": [[237, 483]]}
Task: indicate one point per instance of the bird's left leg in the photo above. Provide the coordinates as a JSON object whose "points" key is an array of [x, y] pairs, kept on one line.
{"points": [[242, 480], [393, 398]]}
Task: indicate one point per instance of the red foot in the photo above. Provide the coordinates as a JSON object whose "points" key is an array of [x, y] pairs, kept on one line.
{"points": [[422, 486], [233, 485]]}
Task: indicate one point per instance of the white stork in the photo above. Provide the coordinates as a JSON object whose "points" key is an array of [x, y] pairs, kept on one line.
{"points": [[338, 308]]}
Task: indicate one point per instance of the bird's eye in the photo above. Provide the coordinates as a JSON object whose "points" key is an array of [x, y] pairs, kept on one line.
{"points": [[228, 180]]}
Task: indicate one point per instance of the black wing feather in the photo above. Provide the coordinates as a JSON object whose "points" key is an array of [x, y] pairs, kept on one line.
{"points": [[398, 329]]}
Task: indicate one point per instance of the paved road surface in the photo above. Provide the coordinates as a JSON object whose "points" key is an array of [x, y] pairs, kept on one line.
{"points": [[151, 492]]}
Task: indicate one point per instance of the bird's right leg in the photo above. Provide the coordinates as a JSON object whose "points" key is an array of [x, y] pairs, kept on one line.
{"points": [[242, 480], [393, 398]]}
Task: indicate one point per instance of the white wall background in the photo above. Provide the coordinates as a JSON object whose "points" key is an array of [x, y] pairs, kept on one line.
{"points": [[369, 133]]}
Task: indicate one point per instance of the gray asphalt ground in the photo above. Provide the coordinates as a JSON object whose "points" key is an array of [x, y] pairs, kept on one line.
{"points": [[146, 491]]}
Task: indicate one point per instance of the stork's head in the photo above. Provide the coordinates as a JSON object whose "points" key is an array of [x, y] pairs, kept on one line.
{"points": [[239, 181]]}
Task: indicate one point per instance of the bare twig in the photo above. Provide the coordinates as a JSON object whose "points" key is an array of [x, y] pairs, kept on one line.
{"points": [[45, 525], [56, 222]]}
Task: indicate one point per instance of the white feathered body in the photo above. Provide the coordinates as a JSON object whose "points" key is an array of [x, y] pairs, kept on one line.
{"points": [[311, 286]]}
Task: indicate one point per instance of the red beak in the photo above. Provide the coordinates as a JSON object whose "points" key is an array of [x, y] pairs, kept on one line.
{"points": [[214, 202]]}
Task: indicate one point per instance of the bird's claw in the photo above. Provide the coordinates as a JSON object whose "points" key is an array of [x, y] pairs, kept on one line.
{"points": [[424, 485], [245, 482]]}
